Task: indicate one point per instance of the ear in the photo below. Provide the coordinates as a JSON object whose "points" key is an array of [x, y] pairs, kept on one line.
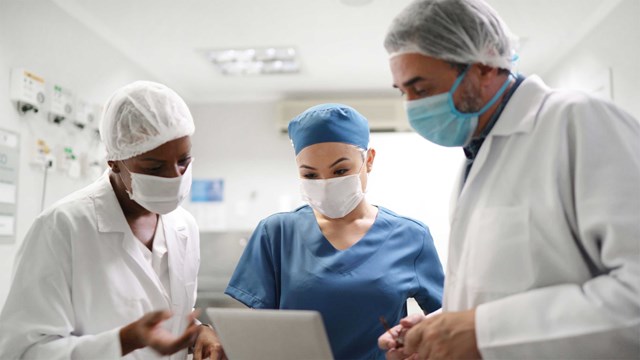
{"points": [[114, 166], [486, 73], [371, 154], [487, 77]]}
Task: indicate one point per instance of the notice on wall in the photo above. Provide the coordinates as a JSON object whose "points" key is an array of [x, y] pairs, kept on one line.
{"points": [[209, 190], [9, 164], [207, 204], [7, 225], [7, 193]]}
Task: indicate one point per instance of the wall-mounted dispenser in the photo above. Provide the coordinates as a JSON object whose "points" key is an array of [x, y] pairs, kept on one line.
{"points": [[86, 115], [27, 90], [62, 104]]}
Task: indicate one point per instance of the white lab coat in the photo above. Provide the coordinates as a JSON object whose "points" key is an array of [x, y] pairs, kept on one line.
{"points": [[545, 233], [80, 277]]}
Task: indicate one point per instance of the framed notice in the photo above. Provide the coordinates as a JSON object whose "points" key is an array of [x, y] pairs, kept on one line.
{"points": [[207, 190], [9, 164]]}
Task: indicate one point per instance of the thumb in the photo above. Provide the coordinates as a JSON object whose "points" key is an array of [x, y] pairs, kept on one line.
{"points": [[194, 314]]}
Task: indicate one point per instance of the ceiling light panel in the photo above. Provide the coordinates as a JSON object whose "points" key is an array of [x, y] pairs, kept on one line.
{"points": [[255, 61]]}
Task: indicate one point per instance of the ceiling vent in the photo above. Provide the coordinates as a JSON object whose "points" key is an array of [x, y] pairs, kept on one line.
{"points": [[384, 114]]}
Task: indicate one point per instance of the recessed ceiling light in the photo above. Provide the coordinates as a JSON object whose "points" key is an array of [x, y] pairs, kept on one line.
{"points": [[255, 61]]}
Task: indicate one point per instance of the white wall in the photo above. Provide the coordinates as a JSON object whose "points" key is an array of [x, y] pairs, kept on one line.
{"points": [[40, 37], [241, 144], [613, 44]]}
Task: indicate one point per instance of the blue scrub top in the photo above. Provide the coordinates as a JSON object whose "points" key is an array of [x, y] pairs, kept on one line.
{"points": [[289, 264]]}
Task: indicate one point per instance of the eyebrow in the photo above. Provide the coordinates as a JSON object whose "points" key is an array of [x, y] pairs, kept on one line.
{"points": [[338, 161], [151, 159], [332, 165], [185, 155], [410, 82]]}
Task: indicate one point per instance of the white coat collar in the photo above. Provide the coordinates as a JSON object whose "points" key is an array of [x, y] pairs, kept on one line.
{"points": [[109, 214], [110, 218], [528, 96]]}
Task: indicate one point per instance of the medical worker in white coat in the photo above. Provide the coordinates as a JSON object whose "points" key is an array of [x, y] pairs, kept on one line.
{"points": [[544, 253], [110, 270]]}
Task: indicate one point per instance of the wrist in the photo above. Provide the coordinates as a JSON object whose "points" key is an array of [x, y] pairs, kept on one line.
{"points": [[202, 326], [129, 339]]}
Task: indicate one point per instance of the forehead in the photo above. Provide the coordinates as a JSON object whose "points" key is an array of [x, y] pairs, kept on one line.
{"points": [[168, 150], [405, 67], [329, 151]]}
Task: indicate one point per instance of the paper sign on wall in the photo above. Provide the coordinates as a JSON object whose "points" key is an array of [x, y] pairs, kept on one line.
{"points": [[9, 164], [207, 190]]}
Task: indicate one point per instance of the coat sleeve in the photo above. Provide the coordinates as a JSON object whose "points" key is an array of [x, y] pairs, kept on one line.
{"points": [[37, 321], [254, 282], [599, 318]]}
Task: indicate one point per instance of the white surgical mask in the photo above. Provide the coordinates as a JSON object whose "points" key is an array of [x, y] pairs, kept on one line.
{"points": [[334, 198], [158, 194]]}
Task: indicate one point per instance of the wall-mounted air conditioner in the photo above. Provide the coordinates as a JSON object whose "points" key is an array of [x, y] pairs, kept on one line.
{"points": [[384, 114]]}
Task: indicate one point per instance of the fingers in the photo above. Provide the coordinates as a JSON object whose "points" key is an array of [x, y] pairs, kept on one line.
{"points": [[186, 339], [198, 350], [412, 339], [153, 318], [386, 343], [216, 352], [411, 320], [396, 354], [212, 352]]}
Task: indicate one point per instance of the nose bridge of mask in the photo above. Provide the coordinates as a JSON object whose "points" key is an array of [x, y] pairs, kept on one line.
{"points": [[335, 197], [159, 188]]}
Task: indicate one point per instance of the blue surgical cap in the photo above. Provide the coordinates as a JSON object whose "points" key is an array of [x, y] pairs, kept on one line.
{"points": [[329, 123]]}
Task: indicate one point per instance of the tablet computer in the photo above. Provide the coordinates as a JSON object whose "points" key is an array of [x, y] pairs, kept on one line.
{"points": [[249, 334]]}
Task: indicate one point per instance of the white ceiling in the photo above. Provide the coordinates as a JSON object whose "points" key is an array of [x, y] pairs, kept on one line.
{"points": [[340, 45]]}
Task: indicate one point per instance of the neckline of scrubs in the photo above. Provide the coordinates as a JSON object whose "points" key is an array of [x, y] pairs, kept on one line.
{"points": [[343, 261]]}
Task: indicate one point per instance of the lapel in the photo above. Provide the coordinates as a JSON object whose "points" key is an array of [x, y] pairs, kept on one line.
{"points": [[518, 116], [111, 220], [177, 239]]}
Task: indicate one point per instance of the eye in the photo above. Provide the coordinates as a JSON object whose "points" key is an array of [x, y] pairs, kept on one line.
{"points": [[185, 161], [153, 169], [310, 176], [422, 89], [341, 171], [420, 92]]}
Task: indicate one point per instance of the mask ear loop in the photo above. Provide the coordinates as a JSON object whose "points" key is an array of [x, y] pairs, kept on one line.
{"points": [[129, 192], [363, 153], [364, 161]]}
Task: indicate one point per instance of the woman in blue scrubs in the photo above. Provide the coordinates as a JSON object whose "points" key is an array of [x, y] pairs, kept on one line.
{"points": [[339, 255]]}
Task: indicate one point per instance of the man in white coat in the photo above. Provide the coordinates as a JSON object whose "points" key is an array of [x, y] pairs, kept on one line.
{"points": [[110, 270], [544, 256]]}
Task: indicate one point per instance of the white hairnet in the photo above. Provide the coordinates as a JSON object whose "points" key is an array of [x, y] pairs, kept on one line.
{"points": [[140, 117], [459, 31]]}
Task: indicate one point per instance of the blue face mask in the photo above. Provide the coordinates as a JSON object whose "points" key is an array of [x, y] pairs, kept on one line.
{"points": [[436, 118]]}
